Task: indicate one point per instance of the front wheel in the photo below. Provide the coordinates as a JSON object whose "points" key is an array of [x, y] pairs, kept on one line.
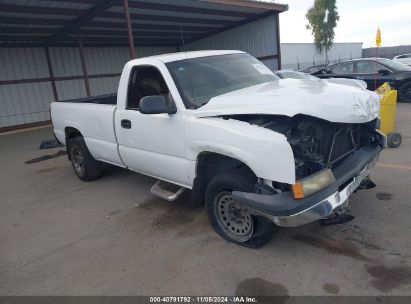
{"points": [[228, 218]]}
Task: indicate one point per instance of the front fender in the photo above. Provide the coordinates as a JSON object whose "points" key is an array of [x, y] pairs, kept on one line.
{"points": [[265, 152], [403, 76]]}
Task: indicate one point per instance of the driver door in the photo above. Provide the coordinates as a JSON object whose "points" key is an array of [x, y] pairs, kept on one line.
{"points": [[151, 144]]}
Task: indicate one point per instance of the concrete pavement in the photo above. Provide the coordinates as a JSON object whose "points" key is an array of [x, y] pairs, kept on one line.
{"points": [[62, 236]]}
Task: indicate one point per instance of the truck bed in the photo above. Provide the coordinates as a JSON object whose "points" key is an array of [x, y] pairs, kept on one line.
{"points": [[108, 99], [93, 117]]}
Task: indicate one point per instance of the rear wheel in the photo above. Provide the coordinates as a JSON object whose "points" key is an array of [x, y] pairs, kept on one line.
{"points": [[405, 92], [84, 164], [228, 218]]}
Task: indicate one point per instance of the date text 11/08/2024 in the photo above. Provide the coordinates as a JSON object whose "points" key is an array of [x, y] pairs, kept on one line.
{"points": [[203, 299]]}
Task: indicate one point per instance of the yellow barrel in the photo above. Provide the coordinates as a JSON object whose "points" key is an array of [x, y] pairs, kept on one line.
{"points": [[387, 114]]}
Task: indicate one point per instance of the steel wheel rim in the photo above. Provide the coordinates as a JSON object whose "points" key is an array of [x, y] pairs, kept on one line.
{"points": [[236, 221], [78, 160]]}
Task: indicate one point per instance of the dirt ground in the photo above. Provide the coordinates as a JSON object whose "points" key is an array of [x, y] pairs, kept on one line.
{"points": [[62, 236]]}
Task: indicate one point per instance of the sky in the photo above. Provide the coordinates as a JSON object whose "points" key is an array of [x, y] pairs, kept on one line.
{"points": [[359, 20]]}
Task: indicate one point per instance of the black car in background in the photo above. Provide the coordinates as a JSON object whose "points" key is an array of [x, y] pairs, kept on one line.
{"points": [[375, 72], [314, 69]]}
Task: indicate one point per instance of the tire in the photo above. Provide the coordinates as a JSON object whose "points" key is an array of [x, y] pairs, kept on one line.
{"points": [[84, 164], [404, 93], [394, 140], [245, 230]]}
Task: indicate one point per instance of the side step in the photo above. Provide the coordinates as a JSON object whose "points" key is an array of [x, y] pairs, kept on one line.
{"points": [[167, 191]]}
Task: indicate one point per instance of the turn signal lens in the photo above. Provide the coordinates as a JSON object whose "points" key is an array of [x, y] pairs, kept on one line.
{"points": [[313, 184], [298, 190]]}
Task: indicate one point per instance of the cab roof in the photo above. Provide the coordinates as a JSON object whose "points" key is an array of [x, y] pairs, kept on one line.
{"points": [[166, 58]]}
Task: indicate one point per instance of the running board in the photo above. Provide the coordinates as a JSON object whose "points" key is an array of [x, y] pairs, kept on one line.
{"points": [[159, 190]]}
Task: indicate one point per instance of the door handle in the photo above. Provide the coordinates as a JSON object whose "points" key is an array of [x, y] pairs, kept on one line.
{"points": [[126, 124]]}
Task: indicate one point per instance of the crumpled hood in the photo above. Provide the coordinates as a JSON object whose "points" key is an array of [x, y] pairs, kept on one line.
{"points": [[289, 97]]}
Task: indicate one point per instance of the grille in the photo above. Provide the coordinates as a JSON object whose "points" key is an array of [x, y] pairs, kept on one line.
{"points": [[344, 141], [317, 146]]}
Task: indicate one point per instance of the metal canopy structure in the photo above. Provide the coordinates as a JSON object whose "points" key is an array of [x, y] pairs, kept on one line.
{"points": [[59, 23], [64, 49]]}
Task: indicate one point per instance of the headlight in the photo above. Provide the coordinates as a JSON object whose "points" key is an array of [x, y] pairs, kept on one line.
{"points": [[312, 184]]}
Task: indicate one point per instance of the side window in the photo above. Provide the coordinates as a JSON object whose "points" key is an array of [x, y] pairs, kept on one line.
{"points": [[344, 68], [364, 67], [145, 81]]}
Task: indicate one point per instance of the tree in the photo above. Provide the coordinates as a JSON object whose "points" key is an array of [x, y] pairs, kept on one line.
{"points": [[322, 18]]}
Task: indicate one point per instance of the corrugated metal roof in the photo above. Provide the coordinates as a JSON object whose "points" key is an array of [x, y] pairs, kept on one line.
{"points": [[207, 5], [45, 3], [53, 22], [208, 18], [35, 16], [165, 24]]}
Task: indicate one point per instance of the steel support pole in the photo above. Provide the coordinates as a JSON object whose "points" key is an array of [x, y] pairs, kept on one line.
{"points": [[278, 41], [51, 73], [129, 30], [84, 66]]}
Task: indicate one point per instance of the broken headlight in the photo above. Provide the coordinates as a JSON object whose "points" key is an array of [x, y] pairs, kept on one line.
{"points": [[312, 184]]}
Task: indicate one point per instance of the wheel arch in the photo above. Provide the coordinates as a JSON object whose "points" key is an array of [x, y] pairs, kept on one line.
{"points": [[208, 165], [71, 133]]}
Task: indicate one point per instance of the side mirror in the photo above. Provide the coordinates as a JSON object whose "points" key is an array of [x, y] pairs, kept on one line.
{"points": [[384, 72], [327, 71], [156, 104]]}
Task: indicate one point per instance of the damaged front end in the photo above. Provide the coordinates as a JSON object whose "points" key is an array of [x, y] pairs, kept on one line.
{"points": [[332, 160]]}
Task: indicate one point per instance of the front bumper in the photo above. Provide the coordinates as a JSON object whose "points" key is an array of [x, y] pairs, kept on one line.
{"points": [[284, 210]]}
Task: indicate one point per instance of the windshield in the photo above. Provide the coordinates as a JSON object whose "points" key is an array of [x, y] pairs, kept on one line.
{"points": [[200, 79], [394, 65]]}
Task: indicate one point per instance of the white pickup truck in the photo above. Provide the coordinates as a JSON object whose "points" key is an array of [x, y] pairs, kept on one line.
{"points": [[260, 152]]}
